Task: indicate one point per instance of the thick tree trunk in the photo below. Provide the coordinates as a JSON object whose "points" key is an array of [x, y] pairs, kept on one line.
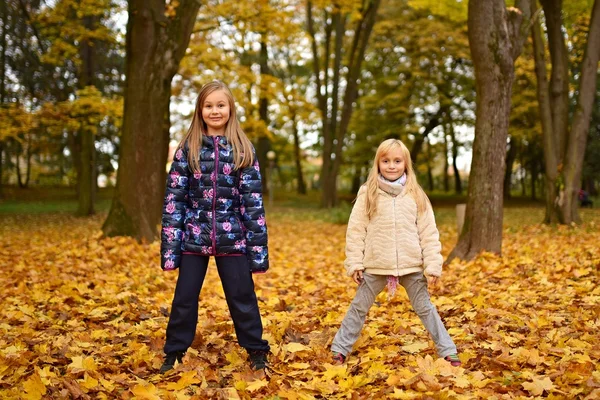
{"points": [[495, 40], [559, 78], [563, 150], [86, 179], [581, 120], [551, 147], [510, 160], [155, 45]]}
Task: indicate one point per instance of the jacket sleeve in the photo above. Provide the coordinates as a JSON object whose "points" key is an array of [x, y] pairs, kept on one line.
{"points": [[429, 239], [174, 210], [356, 235], [253, 217]]}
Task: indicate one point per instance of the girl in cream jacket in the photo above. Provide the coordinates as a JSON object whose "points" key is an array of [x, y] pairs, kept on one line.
{"points": [[392, 239]]}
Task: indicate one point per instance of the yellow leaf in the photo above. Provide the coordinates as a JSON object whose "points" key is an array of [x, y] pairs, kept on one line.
{"points": [[76, 363], [89, 364], [256, 385], [147, 392], [34, 387], [299, 365], [461, 382], [479, 301], [240, 385], [415, 347], [333, 371], [187, 379], [295, 347], [231, 394], [538, 386], [88, 382]]}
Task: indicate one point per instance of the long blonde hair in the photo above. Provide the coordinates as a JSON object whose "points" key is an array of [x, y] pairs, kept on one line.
{"points": [[411, 186], [242, 147]]}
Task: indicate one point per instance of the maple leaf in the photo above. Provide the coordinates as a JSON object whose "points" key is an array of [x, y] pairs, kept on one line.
{"points": [[186, 379], [34, 388], [415, 347], [146, 392], [538, 386], [256, 385]]}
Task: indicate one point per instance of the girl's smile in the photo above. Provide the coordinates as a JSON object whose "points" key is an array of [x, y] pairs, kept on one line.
{"points": [[215, 112], [391, 164]]}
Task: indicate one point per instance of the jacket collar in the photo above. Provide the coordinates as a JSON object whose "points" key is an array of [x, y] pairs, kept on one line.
{"points": [[209, 141], [392, 188]]}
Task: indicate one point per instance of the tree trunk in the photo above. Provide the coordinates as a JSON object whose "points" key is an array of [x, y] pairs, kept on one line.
{"points": [[564, 150], [417, 145], [264, 143], [333, 142], [86, 179], [523, 176], [510, 160], [581, 119], [301, 188], [3, 38], [495, 40], [429, 169], [559, 78], [446, 163], [551, 149], [155, 45], [457, 181], [534, 172]]}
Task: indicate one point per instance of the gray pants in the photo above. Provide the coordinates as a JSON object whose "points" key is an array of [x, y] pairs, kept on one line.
{"points": [[416, 288]]}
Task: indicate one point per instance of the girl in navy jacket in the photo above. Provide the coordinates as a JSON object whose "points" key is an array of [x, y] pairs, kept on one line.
{"points": [[213, 207]]}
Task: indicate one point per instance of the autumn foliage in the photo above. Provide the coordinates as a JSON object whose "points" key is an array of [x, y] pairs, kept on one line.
{"points": [[84, 317]]}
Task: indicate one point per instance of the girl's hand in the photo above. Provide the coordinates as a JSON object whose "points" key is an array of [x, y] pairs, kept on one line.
{"points": [[432, 282], [357, 276]]}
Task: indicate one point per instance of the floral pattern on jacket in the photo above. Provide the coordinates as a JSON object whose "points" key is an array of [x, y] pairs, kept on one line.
{"points": [[216, 212]]}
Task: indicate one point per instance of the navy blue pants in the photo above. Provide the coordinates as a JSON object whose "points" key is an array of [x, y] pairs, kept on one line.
{"points": [[238, 286]]}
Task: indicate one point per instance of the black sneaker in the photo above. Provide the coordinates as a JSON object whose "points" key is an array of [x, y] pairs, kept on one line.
{"points": [[170, 361], [258, 359]]}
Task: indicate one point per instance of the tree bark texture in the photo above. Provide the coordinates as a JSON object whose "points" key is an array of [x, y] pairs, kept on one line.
{"points": [[155, 45], [264, 143], [564, 150], [496, 39], [86, 177], [301, 187], [581, 120], [550, 143]]}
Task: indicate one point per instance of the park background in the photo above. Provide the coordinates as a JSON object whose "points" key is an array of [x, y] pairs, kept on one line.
{"points": [[497, 102]]}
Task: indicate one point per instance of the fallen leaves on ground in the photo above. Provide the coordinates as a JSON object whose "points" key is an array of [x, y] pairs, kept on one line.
{"points": [[84, 317]]}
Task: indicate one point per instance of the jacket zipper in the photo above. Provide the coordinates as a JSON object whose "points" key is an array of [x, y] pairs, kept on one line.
{"points": [[214, 200], [395, 236]]}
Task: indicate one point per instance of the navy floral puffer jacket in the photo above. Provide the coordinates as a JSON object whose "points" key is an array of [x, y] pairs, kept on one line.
{"points": [[216, 212]]}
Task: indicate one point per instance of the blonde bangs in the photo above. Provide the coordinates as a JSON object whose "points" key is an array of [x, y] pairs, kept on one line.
{"points": [[412, 187]]}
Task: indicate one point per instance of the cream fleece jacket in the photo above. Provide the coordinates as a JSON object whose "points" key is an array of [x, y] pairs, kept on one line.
{"points": [[396, 241]]}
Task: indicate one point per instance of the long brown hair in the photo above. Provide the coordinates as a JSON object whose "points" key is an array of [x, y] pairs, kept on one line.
{"points": [[411, 186], [242, 147]]}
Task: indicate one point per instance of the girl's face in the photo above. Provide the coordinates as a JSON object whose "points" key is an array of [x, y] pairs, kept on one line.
{"points": [[391, 164], [215, 112]]}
